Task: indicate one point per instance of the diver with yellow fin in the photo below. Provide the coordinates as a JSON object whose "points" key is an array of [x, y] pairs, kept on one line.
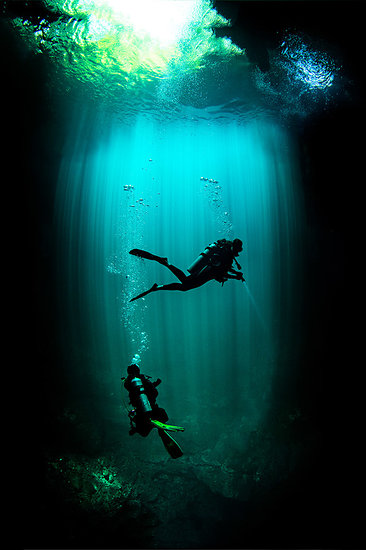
{"points": [[214, 263], [146, 414]]}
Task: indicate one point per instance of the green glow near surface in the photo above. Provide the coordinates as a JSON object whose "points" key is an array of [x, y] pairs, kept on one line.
{"points": [[160, 21], [122, 45]]}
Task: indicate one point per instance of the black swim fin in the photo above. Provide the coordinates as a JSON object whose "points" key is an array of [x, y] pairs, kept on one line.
{"points": [[154, 287], [148, 255], [170, 444]]}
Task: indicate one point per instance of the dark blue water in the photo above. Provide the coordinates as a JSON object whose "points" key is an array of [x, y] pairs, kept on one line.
{"points": [[170, 158]]}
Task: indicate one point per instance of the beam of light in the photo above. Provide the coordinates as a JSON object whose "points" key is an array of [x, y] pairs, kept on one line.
{"points": [[140, 187]]}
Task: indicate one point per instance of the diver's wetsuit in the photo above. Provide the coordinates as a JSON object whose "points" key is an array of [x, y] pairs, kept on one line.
{"points": [[146, 413], [150, 388], [218, 267], [142, 424]]}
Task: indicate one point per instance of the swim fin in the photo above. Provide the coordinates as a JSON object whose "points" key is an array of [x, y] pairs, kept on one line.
{"points": [[167, 427], [170, 444], [148, 255], [154, 287]]}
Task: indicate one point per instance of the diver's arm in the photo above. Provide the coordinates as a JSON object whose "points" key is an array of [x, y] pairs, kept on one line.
{"points": [[233, 271], [234, 275], [228, 276]]}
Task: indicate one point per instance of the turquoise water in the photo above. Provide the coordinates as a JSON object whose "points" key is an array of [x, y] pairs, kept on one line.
{"points": [[167, 148], [217, 349], [230, 337]]}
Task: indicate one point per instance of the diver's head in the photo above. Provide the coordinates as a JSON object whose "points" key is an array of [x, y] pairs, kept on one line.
{"points": [[237, 246], [133, 370]]}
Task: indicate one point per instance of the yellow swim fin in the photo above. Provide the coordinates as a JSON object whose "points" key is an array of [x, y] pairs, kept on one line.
{"points": [[167, 427]]}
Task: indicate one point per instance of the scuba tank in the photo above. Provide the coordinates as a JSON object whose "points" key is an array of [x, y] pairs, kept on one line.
{"points": [[203, 260], [141, 421], [139, 394]]}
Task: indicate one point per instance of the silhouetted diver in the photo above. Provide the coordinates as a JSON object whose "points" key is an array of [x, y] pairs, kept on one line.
{"points": [[215, 262], [146, 414]]}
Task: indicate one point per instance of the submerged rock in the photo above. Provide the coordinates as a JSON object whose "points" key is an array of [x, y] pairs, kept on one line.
{"points": [[92, 482]]}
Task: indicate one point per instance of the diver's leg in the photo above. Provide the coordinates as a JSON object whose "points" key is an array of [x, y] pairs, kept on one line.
{"points": [[148, 256], [177, 272], [163, 261], [187, 283], [154, 287], [172, 286]]}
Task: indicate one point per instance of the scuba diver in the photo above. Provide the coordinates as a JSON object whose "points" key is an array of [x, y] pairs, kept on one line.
{"points": [[146, 414], [214, 263]]}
